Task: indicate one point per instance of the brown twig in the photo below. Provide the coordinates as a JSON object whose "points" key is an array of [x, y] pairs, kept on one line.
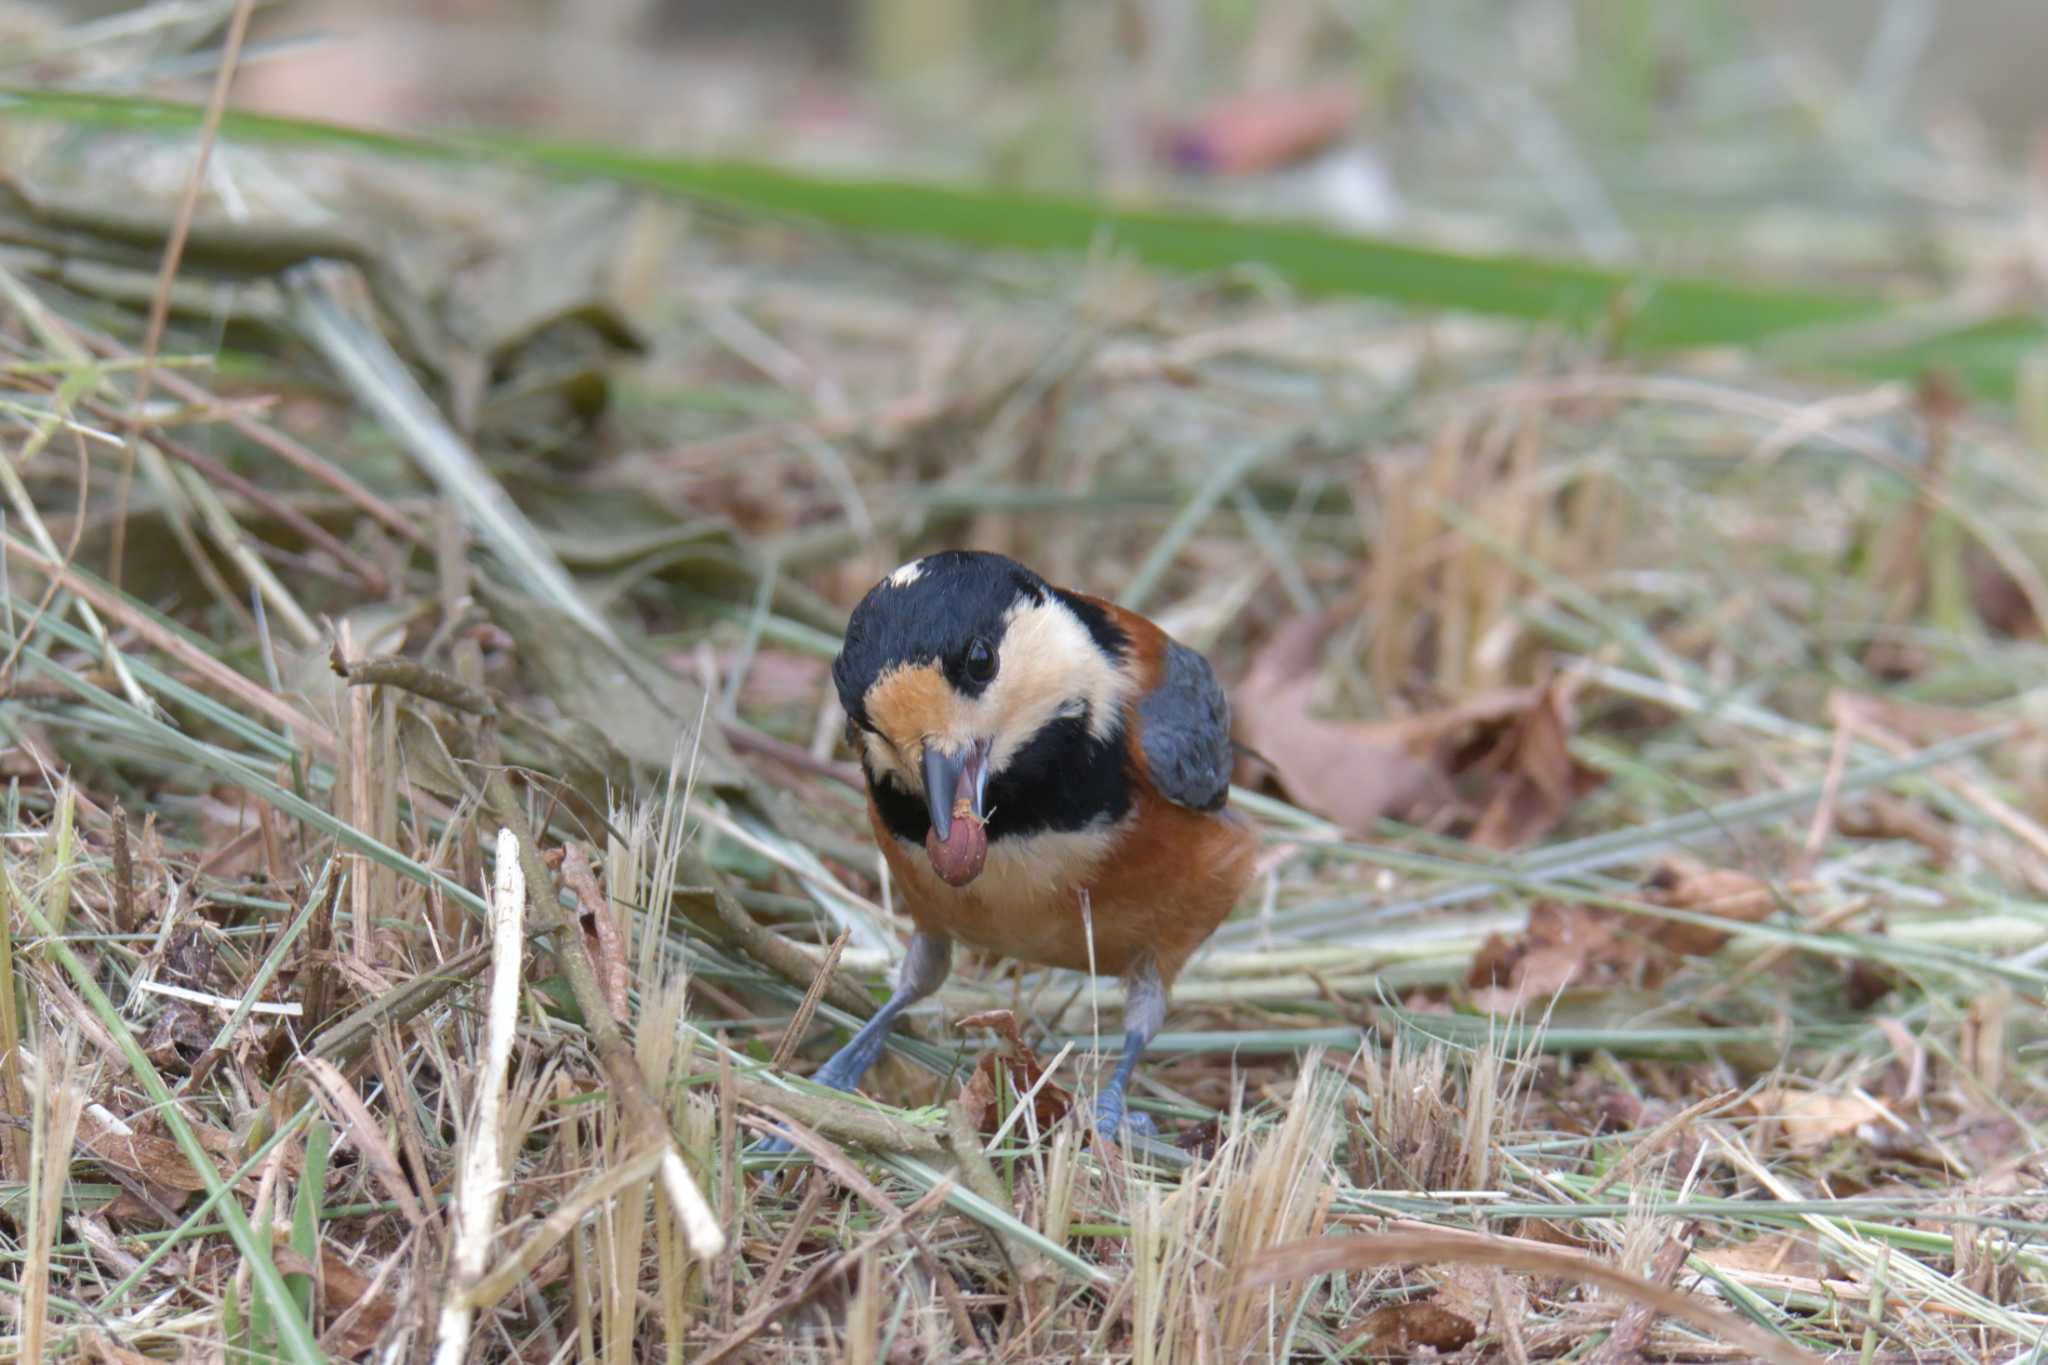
{"points": [[373, 579], [409, 675], [808, 1006], [771, 950], [298, 456], [124, 874], [342, 1041], [1625, 1344]]}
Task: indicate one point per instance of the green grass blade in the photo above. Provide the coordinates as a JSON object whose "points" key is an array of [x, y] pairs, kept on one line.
{"points": [[306, 1212]]}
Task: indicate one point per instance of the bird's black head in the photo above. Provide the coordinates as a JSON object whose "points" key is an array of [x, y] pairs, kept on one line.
{"points": [[957, 663]]}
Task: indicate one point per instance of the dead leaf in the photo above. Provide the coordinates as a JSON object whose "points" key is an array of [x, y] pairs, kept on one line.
{"points": [[1467, 1290], [1776, 1253], [189, 958], [1811, 1119], [1683, 884], [1565, 947], [2000, 602], [1500, 763], [1348, 772], [1397, 1331], [1203, 1140], [979, 1095], [564, 267], [425, 758], [1529, 776], [342, 1287], [178, 1035], [154, 1160], [1569, 947], [1265, 131]]}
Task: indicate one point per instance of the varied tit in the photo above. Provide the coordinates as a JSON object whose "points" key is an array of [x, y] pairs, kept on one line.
{"points": [[1046, 776]]}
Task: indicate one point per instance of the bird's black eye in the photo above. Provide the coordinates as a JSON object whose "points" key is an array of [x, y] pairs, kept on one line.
{"points": [[980, 660]]}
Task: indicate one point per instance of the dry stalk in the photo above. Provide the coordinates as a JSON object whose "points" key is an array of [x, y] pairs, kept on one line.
{"points": [[1421, 1244], [771, 950], [800, 1022], [54, 1127], [824, 1272], [647, 1126], [1626, 1344], [1258, 1192], [483, 1160], [124, 873]]}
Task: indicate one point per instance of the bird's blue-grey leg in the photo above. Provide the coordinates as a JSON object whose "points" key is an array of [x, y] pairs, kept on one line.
{"points": [[925, 965], [1144, 1012]]}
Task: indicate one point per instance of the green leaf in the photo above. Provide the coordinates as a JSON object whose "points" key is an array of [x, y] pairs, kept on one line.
{"points": [[306, 1213], [1650, 311]]}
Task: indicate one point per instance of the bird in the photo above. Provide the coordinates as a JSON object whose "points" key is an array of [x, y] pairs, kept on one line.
{"points": [[1048, 777]]}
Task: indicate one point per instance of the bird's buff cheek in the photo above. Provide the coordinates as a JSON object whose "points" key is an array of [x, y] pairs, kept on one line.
{"points": [[909, 702]]}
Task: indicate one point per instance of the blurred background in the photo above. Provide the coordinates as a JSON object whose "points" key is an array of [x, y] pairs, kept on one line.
{"points": [[1622, 131], [1599, 444], [1607, 128]]}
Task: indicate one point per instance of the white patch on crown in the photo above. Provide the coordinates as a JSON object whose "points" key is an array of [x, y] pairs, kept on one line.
{"points": [[907, 574]]}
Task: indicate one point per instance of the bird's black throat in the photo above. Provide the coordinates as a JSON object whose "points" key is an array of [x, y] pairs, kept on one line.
{"points": [[1065, 779]]}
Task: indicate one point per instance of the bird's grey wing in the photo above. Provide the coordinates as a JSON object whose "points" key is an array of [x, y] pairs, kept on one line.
{"points": [[1184, 729]]}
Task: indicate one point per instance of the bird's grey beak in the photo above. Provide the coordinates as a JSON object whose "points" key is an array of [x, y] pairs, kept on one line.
{"points": [[944, 776]]}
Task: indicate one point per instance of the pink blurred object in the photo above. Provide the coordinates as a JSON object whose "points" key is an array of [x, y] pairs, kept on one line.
{"points": [[1251, 133]]}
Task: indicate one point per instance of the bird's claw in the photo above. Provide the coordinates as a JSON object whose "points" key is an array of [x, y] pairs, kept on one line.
{"points": [[1113, 1120]]}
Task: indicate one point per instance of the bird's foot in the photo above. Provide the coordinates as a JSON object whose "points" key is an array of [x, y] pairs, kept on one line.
{"points": [[826, 1076], [1113, 1120], [768, 1146], [842, 1072]]}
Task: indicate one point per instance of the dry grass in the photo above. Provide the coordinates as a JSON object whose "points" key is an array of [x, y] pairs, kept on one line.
{"points": [[275, 1088]]}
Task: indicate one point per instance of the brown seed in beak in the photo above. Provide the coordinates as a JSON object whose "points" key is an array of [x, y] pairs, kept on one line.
{"points": [[959, 857], [955, 790]]}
